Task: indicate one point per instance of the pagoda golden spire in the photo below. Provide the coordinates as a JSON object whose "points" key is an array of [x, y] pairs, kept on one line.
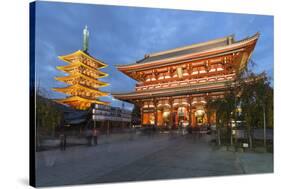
{"points": [[82, 79]]}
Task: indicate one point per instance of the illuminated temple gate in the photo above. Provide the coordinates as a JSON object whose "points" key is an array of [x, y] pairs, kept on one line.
{"points": [[175, 85]]}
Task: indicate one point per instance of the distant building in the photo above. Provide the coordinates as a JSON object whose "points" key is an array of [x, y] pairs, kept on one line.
{"points": [[101, 116], [109, 113]]}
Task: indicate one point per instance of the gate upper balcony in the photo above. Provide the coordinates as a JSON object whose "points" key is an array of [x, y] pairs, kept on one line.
{"points": [[184, 83], [186, 72]]}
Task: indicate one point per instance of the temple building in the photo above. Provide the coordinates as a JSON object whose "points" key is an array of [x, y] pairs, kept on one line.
{"points": [[83, 73], [174, 86]]}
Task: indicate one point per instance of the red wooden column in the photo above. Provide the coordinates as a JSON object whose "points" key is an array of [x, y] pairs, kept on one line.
{"points": [[190, 110], [208, 111], [207, 67], [190, 70], [171, 112], [155, 112], [224, 65], [141, 113]]}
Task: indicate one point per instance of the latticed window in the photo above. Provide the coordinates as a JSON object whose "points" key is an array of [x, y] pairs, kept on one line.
{"points": [[185, 72], [175, 74], [219, 67], [167, 75], [145, 105], [148, 78], [212, 68], [194, 71], [202, 69], [161, 76], [153, 77]]}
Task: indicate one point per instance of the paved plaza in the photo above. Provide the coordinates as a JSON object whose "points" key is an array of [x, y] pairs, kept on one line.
{"points": [[145, 157]]}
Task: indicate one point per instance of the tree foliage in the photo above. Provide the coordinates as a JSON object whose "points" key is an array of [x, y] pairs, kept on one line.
{"points": [[254, 94], [48, 116]]}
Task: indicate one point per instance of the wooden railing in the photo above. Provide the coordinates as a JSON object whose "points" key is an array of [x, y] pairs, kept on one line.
{"points": [[189, 77], [177, 83]]}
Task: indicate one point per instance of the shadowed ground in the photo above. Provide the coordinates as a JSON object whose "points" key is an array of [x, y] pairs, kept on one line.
{"points": [[145, 157]]}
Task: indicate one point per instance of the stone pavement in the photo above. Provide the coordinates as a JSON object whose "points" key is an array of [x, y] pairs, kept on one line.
{"points": [[161, 156]]}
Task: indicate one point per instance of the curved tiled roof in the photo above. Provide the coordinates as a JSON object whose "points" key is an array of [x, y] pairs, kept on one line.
{"points": [[220, 43], [188, 49]]}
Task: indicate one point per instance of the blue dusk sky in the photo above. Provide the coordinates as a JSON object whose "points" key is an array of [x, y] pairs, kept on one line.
{"points": [[123, 35]]}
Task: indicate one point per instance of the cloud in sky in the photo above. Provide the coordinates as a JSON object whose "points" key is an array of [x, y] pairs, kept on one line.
{"points": [[122, 35]]}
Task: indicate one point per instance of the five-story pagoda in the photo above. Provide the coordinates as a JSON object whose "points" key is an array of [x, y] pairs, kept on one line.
{"points": [[82, 79]]}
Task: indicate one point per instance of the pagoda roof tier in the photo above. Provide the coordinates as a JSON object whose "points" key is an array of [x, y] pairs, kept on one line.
{"points": [[74, 88], [76, 65], [216, 86], [84, 58], [78, 102], [71, 80], [201, 51]]}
